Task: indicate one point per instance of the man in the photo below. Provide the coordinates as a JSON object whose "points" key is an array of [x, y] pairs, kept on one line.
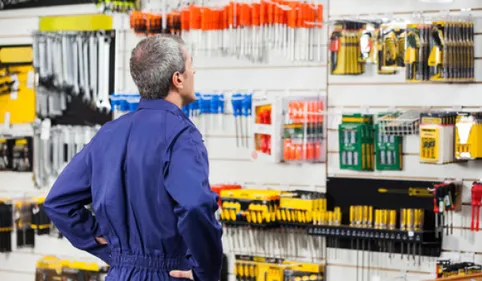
{"points": [[146, 175]]}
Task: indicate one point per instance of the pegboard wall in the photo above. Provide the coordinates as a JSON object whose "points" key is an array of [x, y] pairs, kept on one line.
{"points": [[369, 93]]}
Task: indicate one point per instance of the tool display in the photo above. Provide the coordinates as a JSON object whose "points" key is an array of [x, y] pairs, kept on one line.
{"points": [[451, 56], [255, 268], [345, 54], [300, 208], [289, 129], [55, 146], [437, 134], [244, 30], [73, 65], [23, 214], [447, 268], [476, 203], [392, 216], [50, 268], [391, 49], [303, 131], [6, 225], [356, 141], [447, 198], [388, 150], [468, 136]]}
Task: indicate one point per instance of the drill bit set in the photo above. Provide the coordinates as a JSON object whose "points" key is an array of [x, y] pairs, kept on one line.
{"points": [[388, 149], [356, 141], [345, 55], [50, 268], [6, 225], [247, 30], [254, 268], [437, 135]]}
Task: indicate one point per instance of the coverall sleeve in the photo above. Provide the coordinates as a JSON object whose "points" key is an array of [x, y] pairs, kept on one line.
{"points": [[65, 206], [195, 204]]}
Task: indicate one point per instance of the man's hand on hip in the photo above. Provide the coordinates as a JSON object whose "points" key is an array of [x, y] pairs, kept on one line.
{"points": [[181, 274]]}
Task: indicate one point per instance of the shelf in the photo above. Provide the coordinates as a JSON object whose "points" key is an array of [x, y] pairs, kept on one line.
{"points": [[473, 277]]}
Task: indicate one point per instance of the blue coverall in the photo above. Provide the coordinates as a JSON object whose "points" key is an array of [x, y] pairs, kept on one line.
{"points": [[146, 175]]}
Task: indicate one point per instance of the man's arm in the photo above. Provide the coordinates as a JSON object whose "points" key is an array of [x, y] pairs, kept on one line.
{"points": [[65, 206], [187, 183]]}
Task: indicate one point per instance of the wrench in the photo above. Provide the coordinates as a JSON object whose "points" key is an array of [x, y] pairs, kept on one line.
{"points": [[75, 65], [86, 43], [93, 65], [103, 98]]}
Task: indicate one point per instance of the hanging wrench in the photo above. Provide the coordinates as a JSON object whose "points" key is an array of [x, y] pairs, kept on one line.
{"points": [[93, 65], [104, 49], [85, 57]]}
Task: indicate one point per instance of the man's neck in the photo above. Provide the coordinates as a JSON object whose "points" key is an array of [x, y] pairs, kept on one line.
{"points": [[175, 99]]}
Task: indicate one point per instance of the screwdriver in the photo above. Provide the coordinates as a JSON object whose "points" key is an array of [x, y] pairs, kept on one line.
{"points": [[246, 112], [236, 102]]}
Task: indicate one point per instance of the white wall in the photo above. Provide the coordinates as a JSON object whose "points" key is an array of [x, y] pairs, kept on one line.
{"points": [[230, 163]]}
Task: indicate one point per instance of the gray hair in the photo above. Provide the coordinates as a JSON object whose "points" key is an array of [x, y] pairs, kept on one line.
{"points": [[153, 62]]}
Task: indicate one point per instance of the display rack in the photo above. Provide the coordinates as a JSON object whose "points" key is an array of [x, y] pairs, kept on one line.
{"points": [[473, 277]]}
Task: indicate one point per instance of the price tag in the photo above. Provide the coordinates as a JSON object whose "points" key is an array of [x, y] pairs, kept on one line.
{"points": [[410, 234]]}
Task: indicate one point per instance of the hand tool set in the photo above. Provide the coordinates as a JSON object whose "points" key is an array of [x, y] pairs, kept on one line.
{"points": [[50, 268], [244, 29], [255, 268], [303, 131], [441, 51], [446, 200], [345, 54], [289, 129], [55, 146], [123, 103], [16, 154], [117, 6], [437, 136], [73, 64], [476, 203], [388, 149], [356, 141], [447, 268], [468, 135]]}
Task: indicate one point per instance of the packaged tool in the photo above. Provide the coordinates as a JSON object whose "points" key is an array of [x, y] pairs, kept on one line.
{"points": [[369, 43], [138, 22], [451, 56], [468, 136], [6, 225], [413, 59], [252, 207], [22, 155], [388, 150], [446, 268], [391, 49], [23, 223], [299, 208], [5, 157], [303, 131], [356, 142], [289, 129], [40, 221], [437, 133], [345, 54]]}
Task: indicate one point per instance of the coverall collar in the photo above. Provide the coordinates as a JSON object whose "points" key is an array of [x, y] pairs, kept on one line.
{"points": [[160, 104]]}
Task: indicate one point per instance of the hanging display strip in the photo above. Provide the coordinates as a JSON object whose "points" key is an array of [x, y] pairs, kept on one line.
{"points": [[16, 4]]}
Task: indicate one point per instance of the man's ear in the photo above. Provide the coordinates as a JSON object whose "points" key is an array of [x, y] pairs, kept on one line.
{"points": [[177, 79]]}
